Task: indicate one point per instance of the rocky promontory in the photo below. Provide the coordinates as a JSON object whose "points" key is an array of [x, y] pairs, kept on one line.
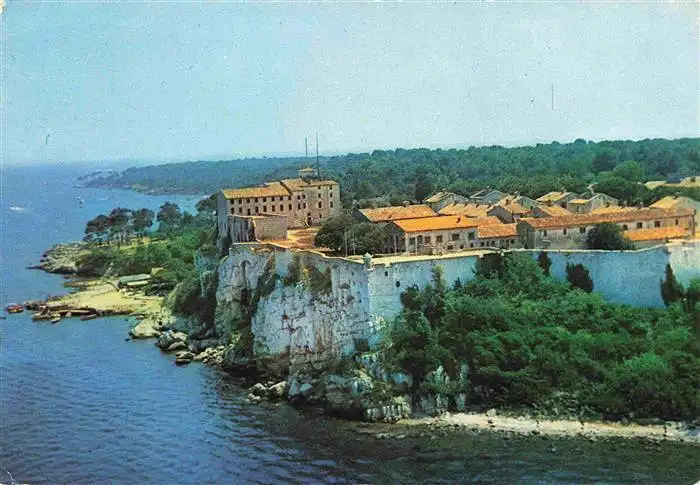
{"points": [[62, 258]]}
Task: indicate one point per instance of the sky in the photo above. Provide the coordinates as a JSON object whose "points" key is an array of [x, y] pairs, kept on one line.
{"points": [[165, 81]]}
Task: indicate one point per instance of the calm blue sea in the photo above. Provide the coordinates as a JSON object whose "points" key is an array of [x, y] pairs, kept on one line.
{"points": [[80, 405]]}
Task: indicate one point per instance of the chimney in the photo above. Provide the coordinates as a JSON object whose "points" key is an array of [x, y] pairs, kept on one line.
{"points": [[406, 203], [459, 219]]}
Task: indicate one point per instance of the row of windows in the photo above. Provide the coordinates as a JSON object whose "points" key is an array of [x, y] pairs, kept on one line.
{"points": [[280, 198], [438, 240], [625, 227]]}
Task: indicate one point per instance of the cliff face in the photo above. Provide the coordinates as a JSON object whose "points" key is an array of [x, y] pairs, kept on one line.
{"points": [[296, 303]]}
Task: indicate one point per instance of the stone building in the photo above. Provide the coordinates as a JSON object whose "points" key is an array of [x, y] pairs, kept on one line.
{"points": [[587, 203], [488, 196], [442, 199], [304, 201], [508, 213], [570, 232], [560, 198], [674, 202], [433, 235]]}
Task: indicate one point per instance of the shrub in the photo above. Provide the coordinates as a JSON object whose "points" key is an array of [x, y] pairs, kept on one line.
{"points": [[579, 277]]}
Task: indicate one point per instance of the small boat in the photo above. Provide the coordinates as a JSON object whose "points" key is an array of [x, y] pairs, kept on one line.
{"points": [[14, 308], [55, 319], [89, 317]]}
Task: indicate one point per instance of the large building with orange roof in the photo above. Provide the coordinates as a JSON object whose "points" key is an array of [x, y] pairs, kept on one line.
{"points": [[305, 201], [434, 235], [570, 232], [394, 213]]}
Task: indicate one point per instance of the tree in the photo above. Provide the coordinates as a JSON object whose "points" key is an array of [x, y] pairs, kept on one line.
{"points": [[119, 228], [142, 220], [579, 277], [169, 217], [332, 233], [608, 236], [544, 262], [604, 161], [629, 170], [671, 289], [621, 189], [96, 229]]}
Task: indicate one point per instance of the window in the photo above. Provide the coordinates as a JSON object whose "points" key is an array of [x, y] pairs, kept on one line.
{"points": [[512, 241], [331, 194], [461, 246], [420, 239], [290, 206], [240, 210], [247, 201], [544, 233], [248, 211], [471, 245], [233, 211], [298, 206], [264, 199], [470, 236], [438, 239], [582, 230], [264, 208], [427, 239], [257, 209], [386, 273], [455, 236], [639, 225], [564, 231], [481, 244], [412, 241], [676, 221], [320, 204], [657, 223], [289, 198], [450, 247], [624, 227], [331, 204], [398, 283], [256, 200], [240, 201]]}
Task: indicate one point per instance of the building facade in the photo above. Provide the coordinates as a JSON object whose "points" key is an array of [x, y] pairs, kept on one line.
{"points": [[304, 201], [570, 232]]}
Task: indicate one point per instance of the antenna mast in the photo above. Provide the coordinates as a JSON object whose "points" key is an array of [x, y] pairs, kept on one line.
{"points": [[318, 166], [306, 145]]}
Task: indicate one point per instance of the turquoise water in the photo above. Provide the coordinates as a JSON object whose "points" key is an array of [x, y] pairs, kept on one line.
{"points": [[79, 404]]}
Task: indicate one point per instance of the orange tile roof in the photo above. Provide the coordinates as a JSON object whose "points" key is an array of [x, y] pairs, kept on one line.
{"points": [[553, 196], [299, 184], [673, 232], [579, 201], [574, 220], [554, 210], [612, 209], [270, 189], [515, 208], [672, 201], [441, 223], [469, 210], [437, 197], [385, 214], [497, 230]]}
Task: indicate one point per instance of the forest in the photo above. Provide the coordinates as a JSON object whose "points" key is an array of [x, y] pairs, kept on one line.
{"points": [[514, 337], [386, 177]]}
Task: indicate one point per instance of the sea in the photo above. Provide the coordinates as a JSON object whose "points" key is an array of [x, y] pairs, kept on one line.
{"points": [[80, 404]]}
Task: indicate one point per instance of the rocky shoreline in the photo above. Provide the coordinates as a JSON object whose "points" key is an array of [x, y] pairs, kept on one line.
{"points": [[351, 393]]}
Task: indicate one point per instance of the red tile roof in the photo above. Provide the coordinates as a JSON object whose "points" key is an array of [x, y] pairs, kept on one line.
{"points": [[643, 214], [441, 223], [469, 210], [661, 233], [386, 214], [554, 210], [497, 230], [270, 189]]}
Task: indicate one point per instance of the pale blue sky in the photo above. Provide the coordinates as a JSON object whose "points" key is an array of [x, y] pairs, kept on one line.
{"points": [[171, 81]]}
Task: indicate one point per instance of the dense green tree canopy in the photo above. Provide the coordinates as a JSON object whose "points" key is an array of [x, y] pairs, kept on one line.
{"points": [[607, 235]]}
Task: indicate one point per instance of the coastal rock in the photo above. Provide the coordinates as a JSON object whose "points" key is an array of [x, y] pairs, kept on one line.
{"points": [[198, 346], [62, 258], [258, 390], [306, 389], [179, 345], [183, 357], [168, 338], [145, 329], [278, 391]]}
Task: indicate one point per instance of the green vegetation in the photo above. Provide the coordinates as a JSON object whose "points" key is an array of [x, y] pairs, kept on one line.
{"points": [[387, 177], [579, 277], [529, 340], [343, 234], [607, 236]]}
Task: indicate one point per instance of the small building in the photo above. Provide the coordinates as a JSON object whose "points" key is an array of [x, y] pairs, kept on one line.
{"points": [[509, 213], [589, 202], [675, 202], [504, 236], [548, 211], [468, 210], [526, 202], [570, 232], [257, 228], [434, 235], [394, 213], [442, 199], [560, 198], [488, 196], [645, 238]]}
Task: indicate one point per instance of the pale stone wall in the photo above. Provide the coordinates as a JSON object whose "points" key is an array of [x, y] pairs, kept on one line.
{"points": [[364, 296]]}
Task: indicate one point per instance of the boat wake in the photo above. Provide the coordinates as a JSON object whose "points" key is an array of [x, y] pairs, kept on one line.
{"points": [[15, 208]]}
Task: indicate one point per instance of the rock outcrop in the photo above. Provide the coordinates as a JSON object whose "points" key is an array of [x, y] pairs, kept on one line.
{"points": [[62, 258]]}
